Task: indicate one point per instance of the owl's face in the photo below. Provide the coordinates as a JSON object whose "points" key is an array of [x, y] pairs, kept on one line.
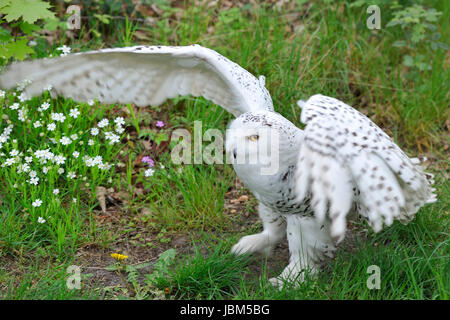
{"points": [[262, 142]]}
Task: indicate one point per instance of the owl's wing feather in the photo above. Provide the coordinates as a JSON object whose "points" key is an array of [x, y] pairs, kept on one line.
{"points": [[347, 160], [144, 75]]}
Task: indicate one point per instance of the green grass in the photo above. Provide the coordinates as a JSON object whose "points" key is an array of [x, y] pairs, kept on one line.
{"points": [[303, 49]]}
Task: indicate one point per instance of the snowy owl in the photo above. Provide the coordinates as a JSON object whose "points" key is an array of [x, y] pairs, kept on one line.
{"points": [[340, 165]]}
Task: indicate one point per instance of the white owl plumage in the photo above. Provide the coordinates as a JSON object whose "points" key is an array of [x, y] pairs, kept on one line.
{"points": [[341, 163]]}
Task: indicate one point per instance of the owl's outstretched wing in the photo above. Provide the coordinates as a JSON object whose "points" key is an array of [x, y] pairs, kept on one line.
{"points": [[347, 160], [144, 75]]}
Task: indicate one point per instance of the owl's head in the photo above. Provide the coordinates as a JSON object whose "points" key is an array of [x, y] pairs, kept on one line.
{"points": [[263, 141]]}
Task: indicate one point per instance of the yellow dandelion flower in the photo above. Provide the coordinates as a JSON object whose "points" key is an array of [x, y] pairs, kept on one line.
{"points": [[118, 256]]}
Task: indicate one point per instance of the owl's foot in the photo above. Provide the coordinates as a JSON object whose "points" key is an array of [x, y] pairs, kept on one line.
{"points": [[254, 243], [293, 275]]}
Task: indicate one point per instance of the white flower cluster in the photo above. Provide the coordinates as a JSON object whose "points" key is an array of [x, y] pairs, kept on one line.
{"points": [[58, 117], [109, 135], [112, 137], [5, 135], [96, 161], [23, 114], [58, 137]]}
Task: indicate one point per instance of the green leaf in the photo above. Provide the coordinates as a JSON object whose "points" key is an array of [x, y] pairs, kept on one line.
{"points": [[103, 18], [5, 35], [28, 28], [28, 10], [53, 24], [19, 49], [4, 3]]}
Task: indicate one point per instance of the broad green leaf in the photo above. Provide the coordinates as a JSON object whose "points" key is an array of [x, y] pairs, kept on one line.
{"points": [[4, 3], [19, 49], [28, 28], [28, 10], [5, 35]]}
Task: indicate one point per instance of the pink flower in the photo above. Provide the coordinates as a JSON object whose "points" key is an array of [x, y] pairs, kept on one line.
{"points": [[160, 124], [148, 161]]}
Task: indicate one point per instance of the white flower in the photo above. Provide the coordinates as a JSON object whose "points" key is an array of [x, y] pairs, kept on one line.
{"points": [[65, 50], [37, 203], [55, 191], [119, 121], [59, 159], [74, 136], [51, 126], [97, 160], [33, 174], [28, 159], [45, 106], [74, 200], [10, 161], [65, 141], [14, 152], [114, 138], [90, 102], [74, 113], [58, 117], [49, 87], [103, 123], [23, 168], [2, 94], [89, 161], [44, 155], [40, 219], [23, 114], [37, 124], [94, 131], [102, 166], [61, 170], [45, 169], [149, 172], [34, 180], [75, 154], [14, 106], [119, 129], [23, 97], [71, 175], [91, 142]]}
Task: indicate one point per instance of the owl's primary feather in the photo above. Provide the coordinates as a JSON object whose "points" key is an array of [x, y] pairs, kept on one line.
{"points": [[341, 162], [144, 75]]}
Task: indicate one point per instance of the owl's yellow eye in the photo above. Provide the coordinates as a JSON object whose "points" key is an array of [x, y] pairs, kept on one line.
{"points": [[254, 137]]}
